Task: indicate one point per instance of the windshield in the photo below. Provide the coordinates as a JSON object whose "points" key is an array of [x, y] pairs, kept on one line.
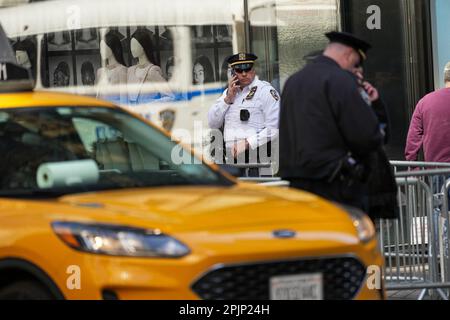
{"points": [[61, 150]]}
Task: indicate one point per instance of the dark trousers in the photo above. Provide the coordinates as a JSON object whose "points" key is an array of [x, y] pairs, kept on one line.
{"points": [[337, 191]]}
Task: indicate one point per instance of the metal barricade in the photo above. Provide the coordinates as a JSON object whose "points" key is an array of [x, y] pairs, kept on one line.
{"points": [[268, 181], [247, 166], [416, 245]]}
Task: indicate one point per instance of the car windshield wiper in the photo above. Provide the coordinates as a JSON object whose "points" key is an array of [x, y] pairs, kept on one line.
{"points": [[53, 193], [128, 184], [32, 193]]}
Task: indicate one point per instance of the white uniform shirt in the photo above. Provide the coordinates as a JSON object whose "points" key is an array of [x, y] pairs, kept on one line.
{"points": [[264, 108]]}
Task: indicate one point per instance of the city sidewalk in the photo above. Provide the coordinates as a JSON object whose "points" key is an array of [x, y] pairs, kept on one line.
{"points": [[409, 295]]}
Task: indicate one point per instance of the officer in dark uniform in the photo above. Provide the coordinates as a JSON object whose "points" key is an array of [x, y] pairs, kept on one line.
{"points": [[327, 130]]}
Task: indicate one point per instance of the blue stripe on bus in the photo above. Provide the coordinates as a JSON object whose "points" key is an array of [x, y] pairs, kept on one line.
{"points": [[187, 96], [156, 97]]}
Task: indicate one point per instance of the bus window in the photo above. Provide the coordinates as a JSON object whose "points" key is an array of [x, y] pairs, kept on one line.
{"points": [[63, 54], [117, 63], [211, 46], [151, 48]]}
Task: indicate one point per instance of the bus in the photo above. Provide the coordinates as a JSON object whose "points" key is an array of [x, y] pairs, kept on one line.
{"points": [[86, 47]]}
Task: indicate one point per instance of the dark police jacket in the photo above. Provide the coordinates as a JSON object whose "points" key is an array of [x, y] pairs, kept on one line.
{"points": [[323, 117]]}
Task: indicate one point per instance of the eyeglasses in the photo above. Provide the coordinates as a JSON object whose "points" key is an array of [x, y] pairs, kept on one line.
{"points": [[241, 70]]}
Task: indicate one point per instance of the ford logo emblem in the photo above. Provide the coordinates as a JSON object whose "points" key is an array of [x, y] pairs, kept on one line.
{"points": [[284, 234]]}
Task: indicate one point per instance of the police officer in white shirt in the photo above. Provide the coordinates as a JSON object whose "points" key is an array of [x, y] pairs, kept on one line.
{"points": [[248, 111]]}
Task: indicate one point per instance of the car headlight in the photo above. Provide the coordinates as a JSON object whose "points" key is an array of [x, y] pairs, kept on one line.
{"points": [[119, 240], [362, 223]]}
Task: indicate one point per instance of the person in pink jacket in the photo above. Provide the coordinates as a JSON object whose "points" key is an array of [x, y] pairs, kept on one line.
{"points": [[430, 126]]}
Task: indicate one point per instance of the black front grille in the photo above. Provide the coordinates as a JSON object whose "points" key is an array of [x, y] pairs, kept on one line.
{"points": [[342, 278]]}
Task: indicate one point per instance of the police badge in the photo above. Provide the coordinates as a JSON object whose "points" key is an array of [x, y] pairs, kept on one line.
{"points": [[251, 94], [274, 95], [167, 118]]}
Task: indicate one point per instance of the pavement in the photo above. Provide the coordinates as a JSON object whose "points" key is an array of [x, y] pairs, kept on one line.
{"points": [[404, 295], [411, 295]]}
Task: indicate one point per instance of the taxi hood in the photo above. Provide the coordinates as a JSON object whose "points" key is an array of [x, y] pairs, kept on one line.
{"points": [[196, 208]]}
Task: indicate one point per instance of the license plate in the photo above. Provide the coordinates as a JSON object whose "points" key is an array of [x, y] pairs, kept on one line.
{"points": [[298, 287]]}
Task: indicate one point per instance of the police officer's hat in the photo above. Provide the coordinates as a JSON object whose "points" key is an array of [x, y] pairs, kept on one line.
{"points": [[350, 40], [242, 60]]}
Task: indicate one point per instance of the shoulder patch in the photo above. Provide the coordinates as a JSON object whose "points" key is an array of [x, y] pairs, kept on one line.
{"points": [[251, 94], [275, 95]]}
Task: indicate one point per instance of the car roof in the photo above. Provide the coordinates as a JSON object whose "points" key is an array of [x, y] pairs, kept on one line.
{"points": [[48, 99]]}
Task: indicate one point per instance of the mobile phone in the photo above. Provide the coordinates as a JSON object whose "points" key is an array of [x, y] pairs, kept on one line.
{"points": [[233, 74]]}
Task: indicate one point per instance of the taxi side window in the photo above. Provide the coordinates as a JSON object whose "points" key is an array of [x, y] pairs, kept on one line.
{"points": [[111, 150], [211, 45]]}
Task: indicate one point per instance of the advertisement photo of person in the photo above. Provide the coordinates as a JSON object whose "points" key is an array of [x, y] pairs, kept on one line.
{"points": [[61, 75], [203, 71], [86, 67], [87, 74]]}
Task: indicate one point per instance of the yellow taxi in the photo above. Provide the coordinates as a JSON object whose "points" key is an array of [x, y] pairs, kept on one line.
{"points": [[93, 206], [96, 203]]}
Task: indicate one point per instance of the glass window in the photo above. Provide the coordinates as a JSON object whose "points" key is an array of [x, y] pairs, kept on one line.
{"points": [[441, 10], [390, 64], [116, 62], [283, 32], [211, 46]]}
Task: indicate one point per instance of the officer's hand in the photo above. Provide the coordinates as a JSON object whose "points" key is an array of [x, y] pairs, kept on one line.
{"points": [[233, 88], [239, 147], [371, 91]]}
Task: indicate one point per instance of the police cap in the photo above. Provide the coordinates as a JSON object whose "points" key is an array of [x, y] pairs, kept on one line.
{"points": [[242, 58], [350, 40]]}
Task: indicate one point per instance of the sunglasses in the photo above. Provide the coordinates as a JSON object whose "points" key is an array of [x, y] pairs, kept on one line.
{"points": [[241, 70]]}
